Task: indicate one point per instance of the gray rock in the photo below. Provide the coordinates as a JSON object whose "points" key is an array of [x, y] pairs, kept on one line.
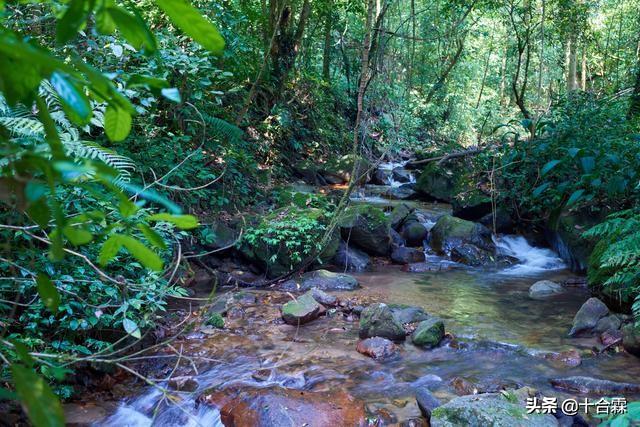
{"points": [[587, 317], [608, 323], [490, 409], [367, 227], [377, 320], [408, 314], [399, 214], [324, 298], [403, 192], [381, 177], [588, 385], [631, 339], [401, 175], [544, 289], [323, 280], [404, 255], [427, 402], [429, 333], [302, 310], [396, 239], [472, 255], [351, 258]]}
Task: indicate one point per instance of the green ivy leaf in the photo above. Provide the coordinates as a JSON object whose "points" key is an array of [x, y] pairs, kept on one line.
{"points": [[184, 222], [48, 292], [117, 123], [131, 328], [191, 21], [550, 165], [40, 403], [133, 29], [172, 94]]}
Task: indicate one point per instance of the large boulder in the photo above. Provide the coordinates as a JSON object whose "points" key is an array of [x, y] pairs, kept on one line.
{"points": [[472, 255], [402, 192], [242, 406], [301, 310], [323, 280], [402, 175], [451, 232], [545, 288], [381, 177], [399, 214], [588, 316], [339, 170], [631, 339], [377, 348], [608, 323], [471, 205], [277, 256], [489, 409], [351, 258], [429, 333], [377, 320], [368, 228], [414, 233], [403, 255], [437, 182]]}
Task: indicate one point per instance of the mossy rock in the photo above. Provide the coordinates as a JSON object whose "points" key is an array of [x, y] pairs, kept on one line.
{"points": [[338, 170], [378, 320], [429, 333], [471, 204], [214, 319], [490, 409], [302, 310], [367, 227], [451, 232], [437, 182], [278, 258]]}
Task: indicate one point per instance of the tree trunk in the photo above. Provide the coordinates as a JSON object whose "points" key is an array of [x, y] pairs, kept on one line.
{"points": [[541, 70], [634, 106], [326, 54], [583, 74], [572, 79]]}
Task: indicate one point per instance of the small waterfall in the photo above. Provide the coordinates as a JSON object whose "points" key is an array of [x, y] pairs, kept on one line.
{"points": [[532, 259]]}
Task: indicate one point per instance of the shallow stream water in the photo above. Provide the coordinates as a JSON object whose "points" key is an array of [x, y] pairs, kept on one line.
{"points": [[501, 336]]}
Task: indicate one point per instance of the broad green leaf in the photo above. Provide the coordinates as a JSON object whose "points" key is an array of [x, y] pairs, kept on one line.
{"points": [[575, 196], [574, 151], [146, 256], [104, 22], [127, 207], [48, 292], [131, 328], [172, 94], [39, 211], [133, 29], [73, 19], [77, 236], [550, 165], [152, 236], [117, 123], [137, 80], [110, 249], [74, 101], [22, 351], [588, 163], [40, 403], [184, 222], [540, 189], [191, 21]]}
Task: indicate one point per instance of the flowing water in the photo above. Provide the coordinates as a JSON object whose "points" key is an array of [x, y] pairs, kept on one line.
{"points": [[501, 339]]}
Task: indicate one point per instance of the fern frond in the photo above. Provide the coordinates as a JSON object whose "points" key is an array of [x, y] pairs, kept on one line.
{"points": [[223, 129], [93, 151], [23, 126]]}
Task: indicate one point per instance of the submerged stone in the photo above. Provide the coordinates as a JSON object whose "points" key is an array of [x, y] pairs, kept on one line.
{"points": [[588, 385], [323, 280], [544, 289], [377, 348]]}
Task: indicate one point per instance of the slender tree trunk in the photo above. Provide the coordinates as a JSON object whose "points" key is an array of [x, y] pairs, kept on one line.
{"points": [[634, 106], [326, 54], [503, 75], [583, 73], [484, 74], [572, 80], [541, 70]]}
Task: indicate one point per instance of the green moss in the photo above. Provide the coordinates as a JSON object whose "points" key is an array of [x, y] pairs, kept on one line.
{"points": [[215, 320]]}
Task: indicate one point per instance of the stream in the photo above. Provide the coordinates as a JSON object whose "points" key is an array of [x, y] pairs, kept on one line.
{"points": [[501, 337]]}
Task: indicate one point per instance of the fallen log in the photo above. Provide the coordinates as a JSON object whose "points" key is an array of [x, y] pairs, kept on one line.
{"points": [[447, 157]]}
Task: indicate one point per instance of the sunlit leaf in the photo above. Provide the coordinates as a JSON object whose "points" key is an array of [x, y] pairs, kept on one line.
{"points": [[131, 328], [48, 292], [40, 403], [117, 123], [184, 222]]}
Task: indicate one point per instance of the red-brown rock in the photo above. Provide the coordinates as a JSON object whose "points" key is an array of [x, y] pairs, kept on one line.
{"points": [[377, 348]]}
